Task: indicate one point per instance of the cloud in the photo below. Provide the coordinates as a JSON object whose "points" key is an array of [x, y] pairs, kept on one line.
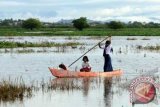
{"points": [[128, 11], [113, 11], [11, 3], [53, 10]]}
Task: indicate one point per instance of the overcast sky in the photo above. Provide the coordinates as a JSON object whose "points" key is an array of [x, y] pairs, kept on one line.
{"points": [[54, 10]]}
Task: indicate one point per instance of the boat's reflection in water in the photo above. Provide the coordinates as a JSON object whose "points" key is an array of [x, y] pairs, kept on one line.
{"points": [[71, 84], [86, 85]]}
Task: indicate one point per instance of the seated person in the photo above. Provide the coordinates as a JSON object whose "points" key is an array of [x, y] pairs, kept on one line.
{"points": [[63, 67], [85, 65]]}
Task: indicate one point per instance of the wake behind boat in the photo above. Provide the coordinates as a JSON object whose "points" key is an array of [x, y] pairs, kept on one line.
{"points": [[59, 73]]}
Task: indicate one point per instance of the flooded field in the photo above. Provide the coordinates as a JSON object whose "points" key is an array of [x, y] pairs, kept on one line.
{"points": [[31, 64]]}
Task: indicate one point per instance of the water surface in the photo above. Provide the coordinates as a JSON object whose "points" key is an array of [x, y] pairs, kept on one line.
{"points": [[88, 92]]}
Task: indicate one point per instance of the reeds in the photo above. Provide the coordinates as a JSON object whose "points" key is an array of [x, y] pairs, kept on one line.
{"points": [[62, 84], [62, 49], [131, 38], [17, 90], [70, 84], [8, 44], [151, 48], [145, 39], [10, 91]]}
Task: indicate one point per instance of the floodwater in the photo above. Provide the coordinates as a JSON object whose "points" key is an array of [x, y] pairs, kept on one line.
{"points": [[84, 92]]}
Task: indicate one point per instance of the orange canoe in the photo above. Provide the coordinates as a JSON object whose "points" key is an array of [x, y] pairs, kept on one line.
{"points": [[59, 73]]}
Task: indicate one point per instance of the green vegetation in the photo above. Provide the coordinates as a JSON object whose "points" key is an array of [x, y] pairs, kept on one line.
{"points": [[151, 48], [85, 32], [131, 38], [145, 38], [115, 25], [33, 27], [31, 24], [7, 44], [80, 23], [11, 91]]}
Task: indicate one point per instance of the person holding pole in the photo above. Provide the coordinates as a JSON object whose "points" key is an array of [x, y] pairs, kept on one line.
{"points": [[107, 49], [87, 51]]}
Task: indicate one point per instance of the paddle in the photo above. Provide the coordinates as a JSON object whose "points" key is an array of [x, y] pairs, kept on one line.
{"points": [[87, 51]]}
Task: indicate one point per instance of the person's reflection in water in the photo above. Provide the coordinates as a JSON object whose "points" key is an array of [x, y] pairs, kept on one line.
{"points": [[107, 92], [86, 84]]}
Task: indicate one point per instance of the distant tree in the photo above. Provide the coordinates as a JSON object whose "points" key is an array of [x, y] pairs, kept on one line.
{"points": [[7, 22], [80, 23], [115, 25], [152, 25], [31, 23], [136, 24]]}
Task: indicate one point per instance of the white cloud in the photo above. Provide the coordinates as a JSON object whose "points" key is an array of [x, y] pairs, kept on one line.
{"points": [[50, 10], [10, 3], [152, 1], [127, 11], [138, 1], [113, 11]]}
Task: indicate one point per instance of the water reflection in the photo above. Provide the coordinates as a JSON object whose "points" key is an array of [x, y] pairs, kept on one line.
{"points": [[70, 84], [107, 92], [98, 92], [64, 84], [86, 85]]}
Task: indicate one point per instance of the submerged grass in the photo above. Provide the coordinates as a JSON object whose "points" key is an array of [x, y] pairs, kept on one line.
{"points": [[8, 44], [10, 91], [70, 84], [150, 48], [145, 39], [131, 38], [64, 84], [17, 90], [26, 50]]}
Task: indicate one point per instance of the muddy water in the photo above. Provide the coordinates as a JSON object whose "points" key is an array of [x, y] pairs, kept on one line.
{"points": [[34, 67]]}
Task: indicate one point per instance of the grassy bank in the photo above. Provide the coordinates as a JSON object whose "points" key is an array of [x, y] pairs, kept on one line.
{"points": [[85, 32], [7, 44]]}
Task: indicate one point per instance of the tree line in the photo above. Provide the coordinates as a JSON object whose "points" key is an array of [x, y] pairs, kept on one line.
{"points": [[79, 24]]}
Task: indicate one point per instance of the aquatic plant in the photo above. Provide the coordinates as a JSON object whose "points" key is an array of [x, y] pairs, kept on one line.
{"points": [[145, 39], [131, 38], [25, 51], [11, 91], [63, 84], [151, 48], [8, 44]]}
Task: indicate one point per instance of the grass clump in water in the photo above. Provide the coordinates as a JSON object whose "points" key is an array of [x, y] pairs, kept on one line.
{"points": [[63, 84], [151, 48], [131, 38], [8, 44], [10, 91], [145, 39]]}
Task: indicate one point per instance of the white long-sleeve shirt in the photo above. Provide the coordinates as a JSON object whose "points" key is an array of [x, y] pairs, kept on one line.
{"points": [[107, 49]]}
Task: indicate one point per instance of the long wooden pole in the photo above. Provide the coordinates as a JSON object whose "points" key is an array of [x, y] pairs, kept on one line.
{"points": [[87, 51]]}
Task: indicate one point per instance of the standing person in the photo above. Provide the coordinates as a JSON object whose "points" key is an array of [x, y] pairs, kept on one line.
{"points": [[106, 53], [85, 65]]}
